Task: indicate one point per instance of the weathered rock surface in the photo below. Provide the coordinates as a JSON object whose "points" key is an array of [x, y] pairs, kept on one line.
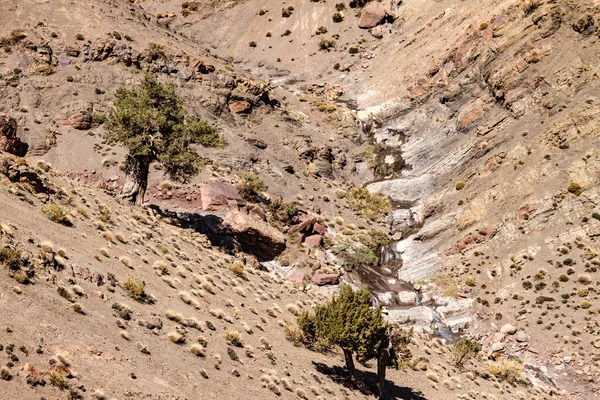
{"points": [[371, 15], [325, 279], [9, 142], [215, 195]]}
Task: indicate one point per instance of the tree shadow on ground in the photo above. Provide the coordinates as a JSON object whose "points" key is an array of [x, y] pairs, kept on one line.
{"points": [[392, 391]]}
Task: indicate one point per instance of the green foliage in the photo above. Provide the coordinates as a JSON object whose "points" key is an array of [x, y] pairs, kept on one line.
{"points": [[56, 213], [373, 238], [321, 30], [464, 350], [337, 17], [575, 188], [325, 44], [150, 121], [250, 187], [350, 322], [373, 206], [360, 256], [282, 211], [135, 288]]}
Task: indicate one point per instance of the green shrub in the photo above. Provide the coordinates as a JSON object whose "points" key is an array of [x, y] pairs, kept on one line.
{"points": [[340, 6], [575, 188], [373, 206], [337, 17], [321, 30], [135, 288], [250, 187], [464, 350], [56, 213], [353, 50]]}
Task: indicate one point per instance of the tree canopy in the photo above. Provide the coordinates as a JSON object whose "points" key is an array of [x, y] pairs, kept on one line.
{"points": [[151, 122], [350, 322]]}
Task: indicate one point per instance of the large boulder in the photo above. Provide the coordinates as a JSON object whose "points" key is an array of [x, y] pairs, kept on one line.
{"points": [[216, 195], [254, 235], [325, 279], [372, 15], [9, 142]]}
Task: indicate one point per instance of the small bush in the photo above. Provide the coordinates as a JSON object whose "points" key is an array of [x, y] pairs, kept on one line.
{"points": [[11, 258], [575, 188], [135, 288], [353, 50], [252, 43], [373, 206], [56, 213], [337, 17], [250, 187], [508, 370], [293, 334], [470, 281], [321, 30], [238, 269], [464, 350], [459, 185], [234, 338], [326, 44], [285, 13], [340, 6]]}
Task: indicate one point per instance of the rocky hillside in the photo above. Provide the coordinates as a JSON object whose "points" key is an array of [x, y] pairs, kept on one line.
{"points": [[472, 124]]}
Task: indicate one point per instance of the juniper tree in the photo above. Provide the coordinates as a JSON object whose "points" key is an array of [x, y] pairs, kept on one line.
{"points": [[150, 121], [350, 322]]}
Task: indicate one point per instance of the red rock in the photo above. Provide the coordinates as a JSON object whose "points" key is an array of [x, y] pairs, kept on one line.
{"points": [[313, 241], [305, 225], [216, 195], [320, 228], [82, 121], [371, 15], [259, 213], [254, 235], [316, 266], [325, 279], [32, 375]]}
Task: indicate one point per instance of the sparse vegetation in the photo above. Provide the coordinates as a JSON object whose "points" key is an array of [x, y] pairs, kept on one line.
{"points": [[463, 351], [250, 187], [56, 213], [505, 369], [373, 206], [326, 44], [135, 288]]}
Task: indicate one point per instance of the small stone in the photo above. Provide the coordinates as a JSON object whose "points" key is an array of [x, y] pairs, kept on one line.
{"points": [[508, 329], [522, 336], [497, 347]]}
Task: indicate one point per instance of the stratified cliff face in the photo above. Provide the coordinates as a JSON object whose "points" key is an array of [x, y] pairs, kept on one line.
{"points": [[501, 118]]}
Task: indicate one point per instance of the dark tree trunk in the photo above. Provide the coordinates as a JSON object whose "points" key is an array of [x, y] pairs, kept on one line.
{"points": [[136, 179], [352, 369], [382, 361]]}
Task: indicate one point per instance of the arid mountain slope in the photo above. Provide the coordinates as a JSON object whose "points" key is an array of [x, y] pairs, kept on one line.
{"points": [[478, 119]]}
